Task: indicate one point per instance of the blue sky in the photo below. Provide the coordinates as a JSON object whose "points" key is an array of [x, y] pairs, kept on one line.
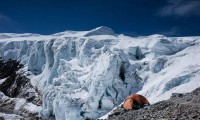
{"points": [[130, 17]]}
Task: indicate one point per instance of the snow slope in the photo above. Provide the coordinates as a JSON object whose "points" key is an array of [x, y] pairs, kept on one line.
{"points": [[88, 73]]}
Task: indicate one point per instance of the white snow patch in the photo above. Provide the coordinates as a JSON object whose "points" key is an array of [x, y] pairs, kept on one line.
{"points": [[2, 80], [10, 116], [19, 103], [32, 108]]}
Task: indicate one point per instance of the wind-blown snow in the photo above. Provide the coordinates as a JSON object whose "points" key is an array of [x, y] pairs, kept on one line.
{"points": [[88, 73]]}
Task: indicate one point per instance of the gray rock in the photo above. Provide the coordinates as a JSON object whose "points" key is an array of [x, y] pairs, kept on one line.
{"points": [[178, 107], [16, 86]]}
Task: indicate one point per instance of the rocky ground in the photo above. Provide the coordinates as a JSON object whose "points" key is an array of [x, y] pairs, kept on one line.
{"points": [[17, 95], [178, 107]]}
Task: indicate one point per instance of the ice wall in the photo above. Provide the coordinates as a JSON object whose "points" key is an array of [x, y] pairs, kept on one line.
{"points": [[85, 76]]}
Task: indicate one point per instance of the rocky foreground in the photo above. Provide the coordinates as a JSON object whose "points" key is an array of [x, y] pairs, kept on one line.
{"points": [[18, 98], [178, 107]]}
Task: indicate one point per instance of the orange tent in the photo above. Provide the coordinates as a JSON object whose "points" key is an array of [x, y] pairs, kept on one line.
{"points": [[135, 102]]}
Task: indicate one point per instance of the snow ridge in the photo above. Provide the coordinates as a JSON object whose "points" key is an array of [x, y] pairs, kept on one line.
{"points": [[85, 74], [100, 31]]}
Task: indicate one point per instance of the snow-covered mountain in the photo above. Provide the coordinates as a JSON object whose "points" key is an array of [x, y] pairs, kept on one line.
{"points": [[86, 74]]}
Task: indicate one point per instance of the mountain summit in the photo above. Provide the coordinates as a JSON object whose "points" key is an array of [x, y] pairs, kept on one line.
{"points": [[100, 31]]}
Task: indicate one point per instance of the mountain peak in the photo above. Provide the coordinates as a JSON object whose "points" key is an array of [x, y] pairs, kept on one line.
{"points": [[102, 30]]}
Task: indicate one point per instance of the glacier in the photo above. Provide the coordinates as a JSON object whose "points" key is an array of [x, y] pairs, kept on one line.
{"points": [[85, 74]]}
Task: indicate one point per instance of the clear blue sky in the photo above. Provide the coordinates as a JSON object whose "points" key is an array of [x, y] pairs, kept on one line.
{"points": [[131, 17]]}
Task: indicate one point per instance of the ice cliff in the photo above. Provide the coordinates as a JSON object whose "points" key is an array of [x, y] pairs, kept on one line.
{"points": [[85, 74]]}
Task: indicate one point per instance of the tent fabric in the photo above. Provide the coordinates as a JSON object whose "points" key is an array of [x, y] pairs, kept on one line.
{"points": [[135, 102]]}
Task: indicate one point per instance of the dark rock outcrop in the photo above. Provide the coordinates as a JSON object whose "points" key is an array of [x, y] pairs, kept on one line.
{"points": [[15, 85], [178, 107]]}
